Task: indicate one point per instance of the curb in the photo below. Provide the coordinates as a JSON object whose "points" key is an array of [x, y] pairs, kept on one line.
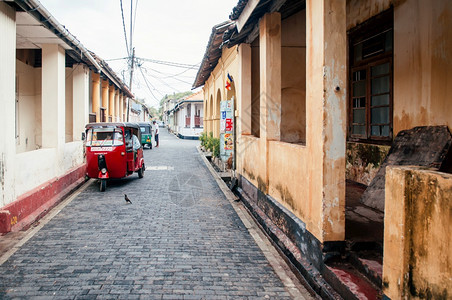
{"points": [[42, 222], [291, 281]]}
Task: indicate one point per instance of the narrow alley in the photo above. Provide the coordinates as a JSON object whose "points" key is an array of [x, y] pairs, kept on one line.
{"points": [[179, 239]]}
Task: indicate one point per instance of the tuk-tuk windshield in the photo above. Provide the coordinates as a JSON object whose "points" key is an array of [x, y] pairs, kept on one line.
{"points": [[145, 129], [98, 137]]}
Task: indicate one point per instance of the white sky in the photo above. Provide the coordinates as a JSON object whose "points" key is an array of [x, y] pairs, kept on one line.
{"points": [[165, 30]]}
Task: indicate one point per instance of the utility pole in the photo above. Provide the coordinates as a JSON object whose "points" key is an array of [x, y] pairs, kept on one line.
{"points": [[131, 77], [132, 50]]}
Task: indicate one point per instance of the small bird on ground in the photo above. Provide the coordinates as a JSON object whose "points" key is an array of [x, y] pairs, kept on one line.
{"points": [[127, 199]]}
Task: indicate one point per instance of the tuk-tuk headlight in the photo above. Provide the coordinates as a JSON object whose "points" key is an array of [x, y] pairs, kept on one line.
{"points": [[103, 170]]}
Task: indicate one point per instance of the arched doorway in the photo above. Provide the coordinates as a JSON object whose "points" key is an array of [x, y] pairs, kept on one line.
{"points": [[216, 132], [210, 116]]}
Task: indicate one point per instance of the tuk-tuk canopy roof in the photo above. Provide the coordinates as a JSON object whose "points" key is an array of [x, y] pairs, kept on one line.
{"points": [[144, 123], [112, 125]]}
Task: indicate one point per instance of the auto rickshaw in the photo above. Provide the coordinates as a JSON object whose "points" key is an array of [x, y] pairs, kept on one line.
{"points": [[146, 133], [113, 151]]}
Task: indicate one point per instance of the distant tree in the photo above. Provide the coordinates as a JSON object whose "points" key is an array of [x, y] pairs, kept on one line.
{"points": [[174, 96]]}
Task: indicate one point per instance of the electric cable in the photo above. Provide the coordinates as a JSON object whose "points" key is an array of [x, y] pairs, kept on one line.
{"points": [[124, 27]]}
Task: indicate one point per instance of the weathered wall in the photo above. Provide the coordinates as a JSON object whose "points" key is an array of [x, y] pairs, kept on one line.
{"points": [[248, 152], [422, 64], [417, 241], [363, 161], [293, 78], [359, 11]]}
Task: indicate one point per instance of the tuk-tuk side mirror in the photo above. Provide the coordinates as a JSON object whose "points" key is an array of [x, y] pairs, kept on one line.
{"points": [[83, 136]]}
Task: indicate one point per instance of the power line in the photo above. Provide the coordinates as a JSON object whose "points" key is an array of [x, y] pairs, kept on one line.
{"points": [[169, 63], [145, 81], [124, 27], [135, 16]]}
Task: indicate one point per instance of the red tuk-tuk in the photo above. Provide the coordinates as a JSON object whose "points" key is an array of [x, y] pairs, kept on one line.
{"points": [[113, 150]]}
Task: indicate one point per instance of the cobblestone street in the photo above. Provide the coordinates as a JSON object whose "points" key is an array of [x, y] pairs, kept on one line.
{"points": [[179, 239]]}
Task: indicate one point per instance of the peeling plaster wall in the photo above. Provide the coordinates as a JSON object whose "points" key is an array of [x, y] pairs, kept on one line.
{"points": [[422, 64], [417, 241]]}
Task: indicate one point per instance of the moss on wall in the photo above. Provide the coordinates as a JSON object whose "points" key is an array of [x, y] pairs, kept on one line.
{"points": [[363, 161]]}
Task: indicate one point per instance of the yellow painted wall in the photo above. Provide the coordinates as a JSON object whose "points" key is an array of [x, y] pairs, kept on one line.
{"points": [[417, 260], [422, 64], [214, 88]]}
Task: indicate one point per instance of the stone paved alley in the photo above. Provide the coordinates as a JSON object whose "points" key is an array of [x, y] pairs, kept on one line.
{"points": [[180, 239]]}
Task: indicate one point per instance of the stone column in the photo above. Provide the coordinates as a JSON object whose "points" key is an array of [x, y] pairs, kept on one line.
{"points": [[192, 115], [105, 97], [326, 115], [7, 111], [53, 96], [121, 107], [116, 117], [80, 103], [96, 95], [111, 102]]}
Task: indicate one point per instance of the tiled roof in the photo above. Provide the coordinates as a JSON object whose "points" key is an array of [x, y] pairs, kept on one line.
{"points": [[212, 54]]}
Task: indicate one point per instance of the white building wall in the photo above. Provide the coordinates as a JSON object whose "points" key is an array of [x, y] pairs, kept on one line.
{"points": [[7, 103]]}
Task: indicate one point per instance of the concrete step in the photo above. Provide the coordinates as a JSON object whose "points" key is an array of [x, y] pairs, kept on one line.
{"points": [[349, 282], [370, 264]]}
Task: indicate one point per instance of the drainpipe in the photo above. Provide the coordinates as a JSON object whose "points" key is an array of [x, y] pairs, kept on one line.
{"points": [[36, 5]]}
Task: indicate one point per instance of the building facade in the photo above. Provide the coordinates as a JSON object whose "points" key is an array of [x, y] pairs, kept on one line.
{"points": [[322, 90], [188, 116], [51, 86]]}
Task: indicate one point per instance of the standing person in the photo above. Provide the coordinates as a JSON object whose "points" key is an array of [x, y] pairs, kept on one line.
{"points": [[156, 133]]}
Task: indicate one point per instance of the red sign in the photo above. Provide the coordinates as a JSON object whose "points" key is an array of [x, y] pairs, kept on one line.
{"points": [[228, 124]]}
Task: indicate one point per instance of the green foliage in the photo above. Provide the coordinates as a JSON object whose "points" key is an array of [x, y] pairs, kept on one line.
{"points": [[203, 138], [210, 143], [216, 147]]}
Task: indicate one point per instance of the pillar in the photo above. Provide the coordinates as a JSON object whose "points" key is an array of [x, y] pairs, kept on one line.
{"points": [[53, 96], [111, 102], [192, 115], [326, 115], [96, 95], [80, 109], [105, 97], [7, 109], [116, 115], [121, 107]]}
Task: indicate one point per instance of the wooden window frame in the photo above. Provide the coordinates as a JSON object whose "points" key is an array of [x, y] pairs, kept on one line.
{"points": [[360, 33]]}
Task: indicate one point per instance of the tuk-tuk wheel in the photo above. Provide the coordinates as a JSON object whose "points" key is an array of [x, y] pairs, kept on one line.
{"points": [[103, 185], [141, 172]]}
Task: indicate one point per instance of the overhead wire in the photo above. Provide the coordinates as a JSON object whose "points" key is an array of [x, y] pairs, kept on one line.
{"points": [[146, 82], [124, 27]]}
